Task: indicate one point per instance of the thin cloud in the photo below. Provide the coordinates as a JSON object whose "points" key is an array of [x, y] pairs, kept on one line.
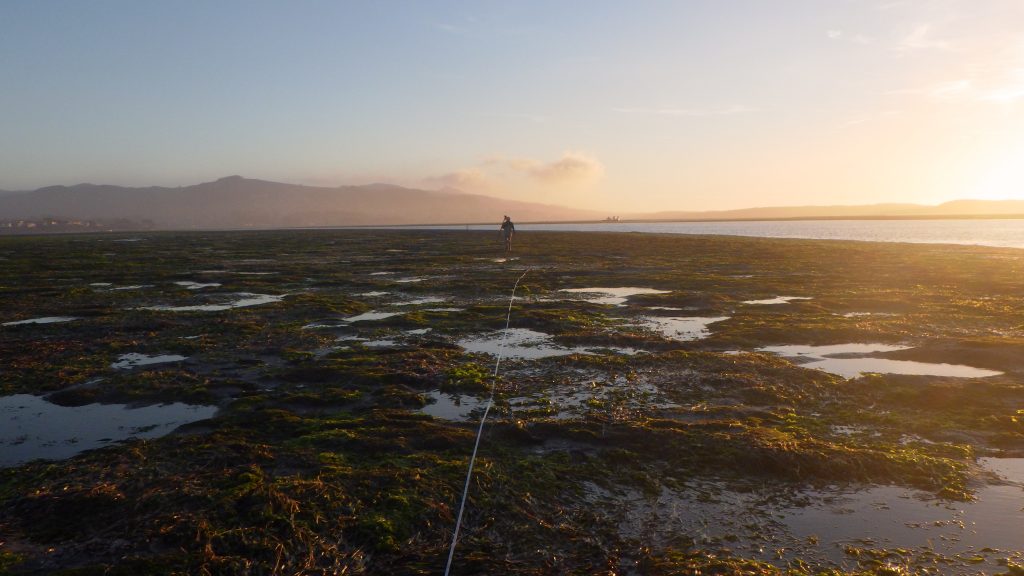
{"points": [[450, 28], [947, 91], [967, 90], [461, 29], [952, 90], [1005, 95], [687, 112], [465, 179], [534, 118], [890, 5], [842, 36], [867, 117], [921, 38], [572, 168], [1010, 91], [476, 28]]}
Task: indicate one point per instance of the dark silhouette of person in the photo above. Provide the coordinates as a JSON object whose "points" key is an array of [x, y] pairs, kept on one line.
{"points": [[507, 230]]}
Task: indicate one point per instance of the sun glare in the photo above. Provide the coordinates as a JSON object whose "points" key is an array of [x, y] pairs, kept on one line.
{"points": [[1004, 180]]}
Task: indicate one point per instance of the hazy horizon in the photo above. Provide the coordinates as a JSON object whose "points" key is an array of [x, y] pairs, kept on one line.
{"points": [[667, 106], [457, 191]]}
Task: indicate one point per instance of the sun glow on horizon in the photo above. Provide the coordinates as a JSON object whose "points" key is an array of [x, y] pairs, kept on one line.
{"points": [[1003, 179]]}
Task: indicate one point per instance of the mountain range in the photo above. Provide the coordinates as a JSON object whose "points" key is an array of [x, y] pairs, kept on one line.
{"points": [[236, 202]]}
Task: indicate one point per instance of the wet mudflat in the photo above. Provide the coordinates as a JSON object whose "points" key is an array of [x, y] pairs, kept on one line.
{"points": [[305, 402]]}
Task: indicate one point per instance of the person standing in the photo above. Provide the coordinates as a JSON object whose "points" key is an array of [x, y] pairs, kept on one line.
{"points": [[508, 229]]}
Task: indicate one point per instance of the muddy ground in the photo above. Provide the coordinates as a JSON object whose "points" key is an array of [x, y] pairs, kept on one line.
{"points": [[650, 433]]}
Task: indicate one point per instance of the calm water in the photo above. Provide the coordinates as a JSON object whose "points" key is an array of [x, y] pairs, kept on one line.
{"points": [[1007, 233], [818, 524], [836, 359], [31, 427]]}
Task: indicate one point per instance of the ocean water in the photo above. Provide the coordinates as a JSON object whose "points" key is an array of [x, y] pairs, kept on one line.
{"points": [[1006, 233]]}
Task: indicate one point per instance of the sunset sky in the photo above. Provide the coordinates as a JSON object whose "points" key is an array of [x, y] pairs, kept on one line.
{"points": [[619, 106]]}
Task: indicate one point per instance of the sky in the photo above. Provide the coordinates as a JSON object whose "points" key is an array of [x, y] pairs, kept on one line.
{"points": [[609, 105]]}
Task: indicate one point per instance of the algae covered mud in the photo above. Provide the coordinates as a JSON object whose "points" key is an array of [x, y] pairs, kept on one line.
{"points": [[306, 404]]}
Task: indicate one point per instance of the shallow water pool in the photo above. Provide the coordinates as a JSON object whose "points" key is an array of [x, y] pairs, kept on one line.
{"points": [[777, 300], [517, 343], [189, 285], [31, 427], [43, 320], [132, 360], [685, 328], [836, 359], [453, 407], [246, 299], [372, 315], [613, 296]]}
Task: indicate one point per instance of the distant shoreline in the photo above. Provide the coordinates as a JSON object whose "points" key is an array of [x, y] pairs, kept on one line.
{"points": [[671, 220], [36, 231]]}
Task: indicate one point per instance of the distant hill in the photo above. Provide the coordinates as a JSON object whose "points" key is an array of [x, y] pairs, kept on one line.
{"points": [[966, 208], [236, 202], [978, 207]]}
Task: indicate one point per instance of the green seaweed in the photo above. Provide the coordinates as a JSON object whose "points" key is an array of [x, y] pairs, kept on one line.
{"points": [[320, 461]]}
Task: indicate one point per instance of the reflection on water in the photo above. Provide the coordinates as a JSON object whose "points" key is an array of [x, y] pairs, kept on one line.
{"points": [[424, 300], [892, 517], [372, 315], [126, 361], [856, 367], [247, 299], [43, 320], [818, 525], [454, 407], [528, 344], [189, 285], [831, 349], [31, 427], [613, 296], [517, 343], [325, 324], [777, 300], [826, 358], [682, 328], [1008, 469]]}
